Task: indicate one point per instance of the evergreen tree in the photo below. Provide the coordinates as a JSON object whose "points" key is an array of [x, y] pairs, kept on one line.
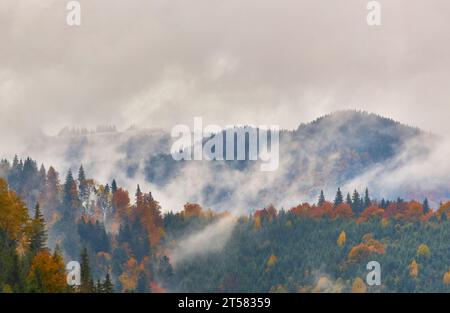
{"points": [[113, 186], [348, 200], [139, 196], [98, 287], [38, 232], [356, 202], [321, 198], [107, 189], [426, 206], [42, 178], [70, 198], [87, 284], [165, 272], [339, 198], [83, 186], [108, 286], [366, 199]]}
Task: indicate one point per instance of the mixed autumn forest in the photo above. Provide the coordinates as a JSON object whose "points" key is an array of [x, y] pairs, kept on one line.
{"points": [[126, 244]]}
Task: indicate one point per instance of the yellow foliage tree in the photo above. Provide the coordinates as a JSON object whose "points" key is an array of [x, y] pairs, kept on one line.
{"points": [[341, 239], [272, 260], [359, 286], [414, 269], [13, 212], [423, 251]]}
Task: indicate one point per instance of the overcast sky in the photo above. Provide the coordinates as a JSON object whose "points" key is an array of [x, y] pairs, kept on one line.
{"points": [[156, 63]]}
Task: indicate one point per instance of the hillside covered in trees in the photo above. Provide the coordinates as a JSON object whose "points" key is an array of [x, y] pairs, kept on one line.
{"points": [[125, 243], [330, 151]]}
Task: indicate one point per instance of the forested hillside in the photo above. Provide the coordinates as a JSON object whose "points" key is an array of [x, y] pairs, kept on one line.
{"points": [[333, 150], [125, 243]]}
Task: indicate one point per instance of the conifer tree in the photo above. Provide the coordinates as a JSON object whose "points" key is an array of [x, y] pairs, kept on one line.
{"points": [[139, 196], [356, 202], [366, 199], [113, 186], [348, 200], [339, 198], [83, 186], [38, 232], [87, 284], [108, 286], [321, 198], [426, 206]]}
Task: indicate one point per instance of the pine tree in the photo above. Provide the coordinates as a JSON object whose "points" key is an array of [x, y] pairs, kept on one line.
{"points": [[98, 287], [113, 186], [70, 197], [107, 189], [42, 178], [348, 200], [139, 196], [426, 206], [38, 232], [339, 198], [366, 199], [356, 202], [165, 272], [87, 284], [321, 198], [108, 286], [83, 186]]}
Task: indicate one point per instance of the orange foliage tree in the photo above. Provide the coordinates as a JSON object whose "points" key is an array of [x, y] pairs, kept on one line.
{"points": [[366, 248], [47, 273]]}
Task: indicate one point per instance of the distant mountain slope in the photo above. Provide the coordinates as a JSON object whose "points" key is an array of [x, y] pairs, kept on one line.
{"points": [[334, 150], [328, 152]]}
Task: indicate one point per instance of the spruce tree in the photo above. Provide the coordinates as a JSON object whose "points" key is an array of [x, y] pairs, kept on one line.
{"points": [[426, 206], [348, 200], [366, 199], [108, 286], [87, 284], [339, 198], [38, 232], [83, 186], [139, 196], [113, 186], [356, 202], [321, 198]]}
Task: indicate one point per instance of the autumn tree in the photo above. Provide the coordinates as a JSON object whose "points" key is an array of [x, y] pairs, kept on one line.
{"points": [[414, 269], [423, 251], [446, 278], [342, 210], [47, 273], [341, 239], [359, 286], [13, 213]]}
